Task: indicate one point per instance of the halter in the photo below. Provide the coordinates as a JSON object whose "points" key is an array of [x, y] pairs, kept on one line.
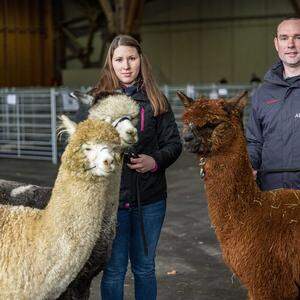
{"points": [[194, 129], [202, 161], [116, 122], [201, 165]]}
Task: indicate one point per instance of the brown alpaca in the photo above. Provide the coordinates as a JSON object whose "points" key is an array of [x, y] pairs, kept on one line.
{"points": [[259, 232]]}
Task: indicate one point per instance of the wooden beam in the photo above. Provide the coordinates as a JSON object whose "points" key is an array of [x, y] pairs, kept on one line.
{"points": [[72, 38], [105, 4], [134, 16], [138, 17], [120, 15]]}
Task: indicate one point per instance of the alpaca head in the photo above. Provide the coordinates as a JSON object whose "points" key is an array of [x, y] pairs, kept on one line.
{"points": [[115, 108], [210, 125], [94, 148]]}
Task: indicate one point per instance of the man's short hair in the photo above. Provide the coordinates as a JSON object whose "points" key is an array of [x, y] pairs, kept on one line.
{"points": [[285, 19]]}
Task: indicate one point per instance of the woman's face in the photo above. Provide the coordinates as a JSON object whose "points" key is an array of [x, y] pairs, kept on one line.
{"points": [[126, 63]]}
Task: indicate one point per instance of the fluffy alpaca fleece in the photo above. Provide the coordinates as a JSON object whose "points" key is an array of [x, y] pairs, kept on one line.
{"points": [[259, 232], [43, 250], [115, 108], [123, 105], [109, 107]]}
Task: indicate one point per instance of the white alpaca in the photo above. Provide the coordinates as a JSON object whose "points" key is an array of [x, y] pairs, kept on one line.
{"points": [[41, 251], [118, 109]]}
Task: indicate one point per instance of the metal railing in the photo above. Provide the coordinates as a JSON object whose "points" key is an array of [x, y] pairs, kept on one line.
{"points": [[28, 122], [28, 117]]}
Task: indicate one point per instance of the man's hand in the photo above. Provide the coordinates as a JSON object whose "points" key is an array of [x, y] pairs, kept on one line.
{"points": [[254, 172], [142, 164]]}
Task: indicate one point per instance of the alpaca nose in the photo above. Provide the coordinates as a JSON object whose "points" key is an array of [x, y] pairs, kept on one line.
{"points": [[131, 132], [108, 163], [188, 137]]}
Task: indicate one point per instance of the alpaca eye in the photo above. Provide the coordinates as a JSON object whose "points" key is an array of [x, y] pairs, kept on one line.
{"points": [[210, 126], [88, 149]]}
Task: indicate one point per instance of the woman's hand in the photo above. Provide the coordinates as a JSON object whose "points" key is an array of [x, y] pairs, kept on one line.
{"points": [[142, 164]]}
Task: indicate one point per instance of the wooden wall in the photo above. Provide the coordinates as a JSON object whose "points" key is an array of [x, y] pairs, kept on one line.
{"points": [[26, 43]]}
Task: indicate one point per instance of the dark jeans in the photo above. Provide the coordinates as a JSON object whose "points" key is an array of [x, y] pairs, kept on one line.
{"points": [[128, 243]]}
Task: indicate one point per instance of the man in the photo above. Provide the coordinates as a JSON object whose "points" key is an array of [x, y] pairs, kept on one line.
{"points": [[273, 131]]}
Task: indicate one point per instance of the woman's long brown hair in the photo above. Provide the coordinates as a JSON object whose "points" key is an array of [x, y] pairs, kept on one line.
{"points": [[108, 80]]}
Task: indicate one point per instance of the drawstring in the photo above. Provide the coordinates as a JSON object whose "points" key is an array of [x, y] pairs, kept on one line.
{"points": [[140, 212], [262, 171], [142, 119]]}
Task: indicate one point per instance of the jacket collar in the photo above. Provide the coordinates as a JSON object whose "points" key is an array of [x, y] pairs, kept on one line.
{"points": [[275, 76], [136, 92]]}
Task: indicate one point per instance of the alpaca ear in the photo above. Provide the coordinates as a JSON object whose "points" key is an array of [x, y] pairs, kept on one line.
{"points": [[186, 101], [104, 118], [238, 102], [67, 125], [83, 98]]}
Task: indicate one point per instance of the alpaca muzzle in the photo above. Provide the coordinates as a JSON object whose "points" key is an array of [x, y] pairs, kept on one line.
{"points": [[192, 143]]}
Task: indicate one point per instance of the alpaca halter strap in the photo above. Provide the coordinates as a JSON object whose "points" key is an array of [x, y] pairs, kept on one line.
{"points": [[116, 122], [201, 165], [194, 129]]}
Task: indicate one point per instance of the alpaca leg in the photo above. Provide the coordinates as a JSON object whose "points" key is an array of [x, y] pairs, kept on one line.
{"points": [[250, 296]]}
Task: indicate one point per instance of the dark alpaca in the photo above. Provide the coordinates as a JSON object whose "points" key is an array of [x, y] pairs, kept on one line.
{"points": [[258, 231]]}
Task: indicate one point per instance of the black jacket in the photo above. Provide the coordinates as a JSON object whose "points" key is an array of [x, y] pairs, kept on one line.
{"points": [[158, 137], [273, 131]]}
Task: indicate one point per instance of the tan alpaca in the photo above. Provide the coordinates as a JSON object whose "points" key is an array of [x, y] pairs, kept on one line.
{"points": [[259, 232], [42, 251], [122, 112]]}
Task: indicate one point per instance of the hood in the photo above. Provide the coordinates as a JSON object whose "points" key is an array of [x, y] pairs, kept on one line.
{"points": [[275, 76], [136, 92]]}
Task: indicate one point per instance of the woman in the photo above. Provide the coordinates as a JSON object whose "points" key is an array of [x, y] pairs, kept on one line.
{"points": [[143, 184]]}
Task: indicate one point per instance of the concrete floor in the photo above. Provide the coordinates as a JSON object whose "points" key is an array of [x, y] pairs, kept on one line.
{"points": [[189, 262]]}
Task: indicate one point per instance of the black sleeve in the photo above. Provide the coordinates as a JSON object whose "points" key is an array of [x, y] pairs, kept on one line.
{"points": [[169, 143]]}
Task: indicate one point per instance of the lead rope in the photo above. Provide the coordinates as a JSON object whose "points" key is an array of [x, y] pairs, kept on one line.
{"points": [[140, 212]]}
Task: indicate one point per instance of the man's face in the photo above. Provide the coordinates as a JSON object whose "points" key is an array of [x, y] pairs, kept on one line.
{"points": [[287, 43]]}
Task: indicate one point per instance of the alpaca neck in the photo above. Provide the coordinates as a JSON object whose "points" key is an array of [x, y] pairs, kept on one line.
{"points": [[71, 223], [74, 204], [229, 183]]}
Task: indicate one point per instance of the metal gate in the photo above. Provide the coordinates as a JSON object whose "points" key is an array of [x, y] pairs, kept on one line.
{"points": [[28, 122]]}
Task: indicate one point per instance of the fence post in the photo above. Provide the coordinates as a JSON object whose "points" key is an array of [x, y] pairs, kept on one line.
{"points": [[166, 91], [18, 125], [190, 91], [53, 125]]}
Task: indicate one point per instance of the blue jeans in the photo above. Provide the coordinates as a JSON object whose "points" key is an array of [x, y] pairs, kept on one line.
{"points": [[128, 244]]}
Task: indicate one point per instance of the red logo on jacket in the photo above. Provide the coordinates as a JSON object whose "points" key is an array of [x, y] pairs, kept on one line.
{"points": [[271, 101]]}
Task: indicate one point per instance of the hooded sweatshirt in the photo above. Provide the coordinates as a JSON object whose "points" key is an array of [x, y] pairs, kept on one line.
{"points": [[273, 129]]}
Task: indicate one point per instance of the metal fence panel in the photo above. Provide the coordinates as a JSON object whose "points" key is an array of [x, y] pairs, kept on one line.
{"points": [[28, 122], [212, 91], [28, 117]]}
